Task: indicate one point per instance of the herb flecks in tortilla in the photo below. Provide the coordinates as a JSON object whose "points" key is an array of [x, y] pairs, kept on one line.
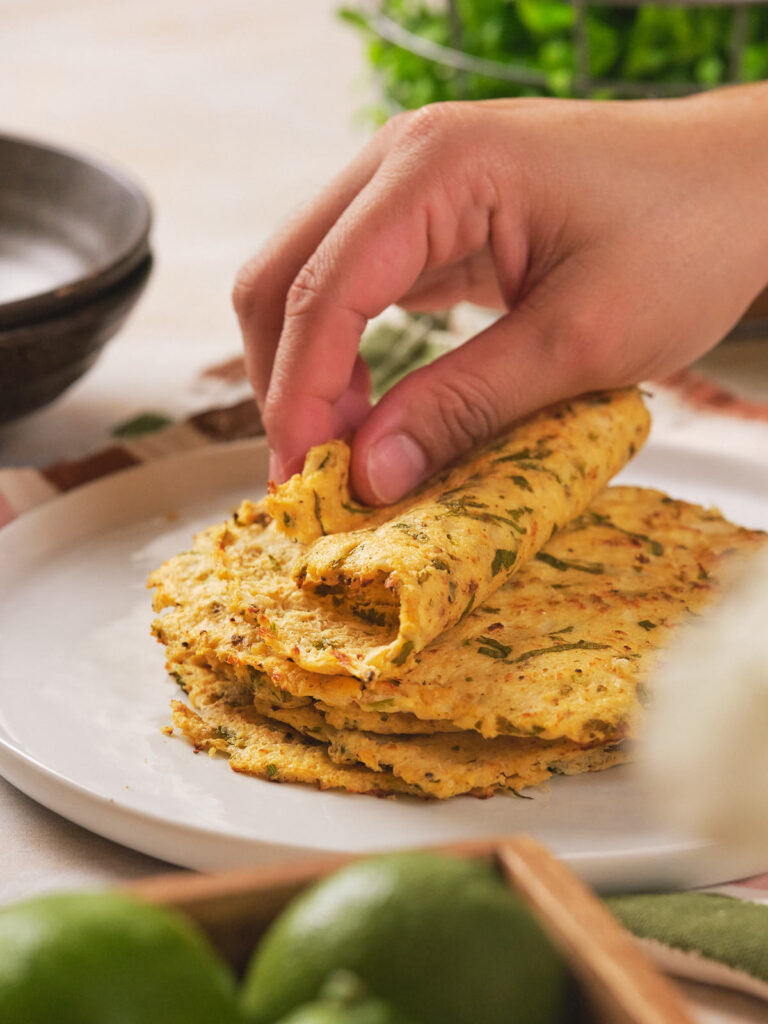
{"points": [[318, 516], [503, 559], [656, 548], [526, 455], [596, 568], [580, 645], [405, 651], [522, 482], [492, 648]]}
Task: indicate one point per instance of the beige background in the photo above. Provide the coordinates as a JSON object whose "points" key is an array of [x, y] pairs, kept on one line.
{"points": [[230, 112]]}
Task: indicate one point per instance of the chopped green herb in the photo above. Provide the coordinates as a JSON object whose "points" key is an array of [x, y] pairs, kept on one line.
{"points": [[180, 681], [369, 615], [404, 652], [353, 508], [521, 482], [535, 467], [655, 547], [503, 559], [379, 705], [144, 423], [468, 609], [646, 624], [323, 644], [271, 771], [317, 513], [410, 530], [471, 509], [491, 648], [596, 568], [468, 501], [580, 645], [526, 454]]}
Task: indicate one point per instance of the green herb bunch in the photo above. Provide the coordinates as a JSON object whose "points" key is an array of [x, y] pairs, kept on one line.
{"points": [[662, 45]]}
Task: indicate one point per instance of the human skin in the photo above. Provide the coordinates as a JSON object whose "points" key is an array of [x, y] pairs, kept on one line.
{"points": [[619, 240]]}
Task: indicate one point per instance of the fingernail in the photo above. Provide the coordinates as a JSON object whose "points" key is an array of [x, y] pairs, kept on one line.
{"points": [[396, 464]]}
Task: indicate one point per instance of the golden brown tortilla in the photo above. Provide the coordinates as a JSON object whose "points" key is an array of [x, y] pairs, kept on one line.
{"points": [[225, 721], [565, 648], [399, 577], [446, 766], [434, 766]]}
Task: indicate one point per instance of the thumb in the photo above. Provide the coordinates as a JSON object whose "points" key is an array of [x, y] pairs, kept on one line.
{"points": [[440, 411]]}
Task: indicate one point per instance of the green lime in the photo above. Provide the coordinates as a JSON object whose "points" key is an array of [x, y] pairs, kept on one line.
{"points": [[344, 999], [442, 939], [370, 1011], [103, 958]]}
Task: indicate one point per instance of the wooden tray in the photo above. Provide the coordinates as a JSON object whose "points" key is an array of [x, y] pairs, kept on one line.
{"points": [[616, 984]]}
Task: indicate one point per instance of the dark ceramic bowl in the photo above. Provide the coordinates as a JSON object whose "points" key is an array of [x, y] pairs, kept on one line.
{"points": [[74, 258], [70, 228], [40, 360]]}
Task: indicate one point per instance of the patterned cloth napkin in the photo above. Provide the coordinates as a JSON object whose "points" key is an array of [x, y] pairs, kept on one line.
{"points": [[719, 937]]}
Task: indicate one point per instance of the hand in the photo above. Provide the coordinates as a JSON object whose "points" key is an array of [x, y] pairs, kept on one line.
{"points": [[622, 240]]}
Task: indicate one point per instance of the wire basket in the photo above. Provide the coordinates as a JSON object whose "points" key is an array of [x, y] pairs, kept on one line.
{"points": [[454, 59]]}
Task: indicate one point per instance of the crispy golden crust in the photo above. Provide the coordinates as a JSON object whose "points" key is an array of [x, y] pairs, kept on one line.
{"points": [[394, 579], [435, 766], [197, 625], [225, 721], [562, 650], [546, 674], [446, 766]]}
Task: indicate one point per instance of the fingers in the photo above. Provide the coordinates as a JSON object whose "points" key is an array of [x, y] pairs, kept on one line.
{"points": [[472, 279], [261, 287], [427, 206], [346, 415], [368, 260], [529, 358]]}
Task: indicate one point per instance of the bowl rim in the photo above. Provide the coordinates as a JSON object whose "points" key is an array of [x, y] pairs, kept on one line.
{"points": [[92, 308], [44, 304]]}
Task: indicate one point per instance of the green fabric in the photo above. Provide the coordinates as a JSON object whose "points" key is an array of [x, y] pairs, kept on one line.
{"points": [[144, 423], [732, 931]]}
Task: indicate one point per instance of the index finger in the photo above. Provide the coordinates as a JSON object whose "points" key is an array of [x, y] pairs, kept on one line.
{"points": [[400, 223], [262, 284]]}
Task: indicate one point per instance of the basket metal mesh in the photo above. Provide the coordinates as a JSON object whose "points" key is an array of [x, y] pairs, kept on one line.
{"points": [[454, 58]]}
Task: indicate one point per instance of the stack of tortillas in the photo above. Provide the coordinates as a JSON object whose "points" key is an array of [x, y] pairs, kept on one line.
{"points": [[496, 627]]}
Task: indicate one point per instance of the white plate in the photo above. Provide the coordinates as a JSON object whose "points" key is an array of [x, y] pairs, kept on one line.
{"points": [[83, 696]]}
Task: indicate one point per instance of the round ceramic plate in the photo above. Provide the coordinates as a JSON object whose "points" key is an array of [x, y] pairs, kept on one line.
{"points": [[84, 696]]}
